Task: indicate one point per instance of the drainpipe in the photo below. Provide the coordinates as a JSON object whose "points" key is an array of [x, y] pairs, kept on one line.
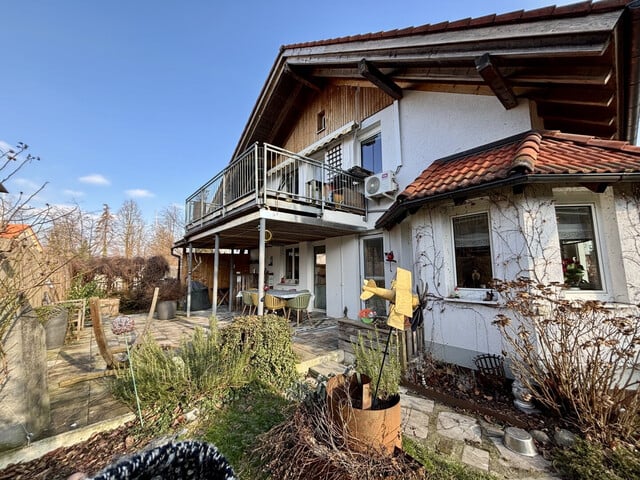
{"points": [[261, 267], [216, 267], [189, 272], [179, 257]]}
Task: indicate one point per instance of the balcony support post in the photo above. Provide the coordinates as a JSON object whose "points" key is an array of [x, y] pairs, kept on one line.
{"points": [[216, 268], [261, 265]]}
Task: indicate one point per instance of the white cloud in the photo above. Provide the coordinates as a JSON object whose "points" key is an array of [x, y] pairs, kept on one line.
{"points": [[5, 147], [73, 193], [26, 185], [94, 179], [139, 193]]}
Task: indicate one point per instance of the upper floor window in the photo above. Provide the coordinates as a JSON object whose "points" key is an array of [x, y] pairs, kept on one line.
{"points": [[472, 249], [576, 231], [371, 153]]}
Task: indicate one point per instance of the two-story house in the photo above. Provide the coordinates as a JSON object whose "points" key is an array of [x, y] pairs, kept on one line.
{"points": [[463, 151]]}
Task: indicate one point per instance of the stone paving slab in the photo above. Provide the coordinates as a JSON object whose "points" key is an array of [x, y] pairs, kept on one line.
{"points": [[415, 423], [475, 457], [459, 427]]}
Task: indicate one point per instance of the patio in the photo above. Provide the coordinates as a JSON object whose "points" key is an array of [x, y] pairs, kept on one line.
{"points": [[85, 407]]}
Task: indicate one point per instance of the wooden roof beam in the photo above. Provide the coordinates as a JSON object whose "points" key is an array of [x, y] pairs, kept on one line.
{"points": [[492, 77], [301, 79], [380, 80]]}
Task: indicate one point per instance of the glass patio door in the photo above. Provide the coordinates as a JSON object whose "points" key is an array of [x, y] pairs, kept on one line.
{"points": [[373, 269], [320, 278]]}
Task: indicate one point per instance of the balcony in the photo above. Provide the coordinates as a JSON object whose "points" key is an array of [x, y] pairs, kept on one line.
{"points": [[268, 177]]}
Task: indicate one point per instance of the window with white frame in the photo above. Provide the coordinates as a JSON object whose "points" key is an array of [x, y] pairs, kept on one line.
{"points": [[472, 250], [578, 247], [373, 269], [292, 264], [371, 153]]}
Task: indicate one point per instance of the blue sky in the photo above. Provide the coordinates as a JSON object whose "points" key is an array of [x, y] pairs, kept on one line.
{"points": [[146, 99]]}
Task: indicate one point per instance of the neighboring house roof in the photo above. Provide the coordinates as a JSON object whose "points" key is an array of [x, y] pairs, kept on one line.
{"points": [[579, 63], [16, 230], [530, 157], [13, 230]]}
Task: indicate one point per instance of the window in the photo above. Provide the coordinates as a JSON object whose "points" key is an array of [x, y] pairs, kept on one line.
{"points": [[292, 264], [580, 264], [321, 122], [373, 268], [472, 248], [371, 154]]}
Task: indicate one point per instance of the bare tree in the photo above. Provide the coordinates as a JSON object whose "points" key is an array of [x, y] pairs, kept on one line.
{"points": [[167, 229], [105, 230], [130, 229], [28, 272]]}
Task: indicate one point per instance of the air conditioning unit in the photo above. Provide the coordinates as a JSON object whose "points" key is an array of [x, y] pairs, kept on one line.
{"points": [[380, 185]]}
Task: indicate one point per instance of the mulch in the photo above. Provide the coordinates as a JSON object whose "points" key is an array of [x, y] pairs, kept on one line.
{"points": [[89, 457]]}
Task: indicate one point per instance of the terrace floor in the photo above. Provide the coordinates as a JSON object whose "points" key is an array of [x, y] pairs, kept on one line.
{"points": [[82, 408]]}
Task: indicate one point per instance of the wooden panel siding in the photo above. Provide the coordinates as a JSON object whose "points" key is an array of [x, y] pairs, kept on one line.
{"points": [[341, 105]]}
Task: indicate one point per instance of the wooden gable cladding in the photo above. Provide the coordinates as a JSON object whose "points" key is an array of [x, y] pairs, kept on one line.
{"points": [[341, 105]]}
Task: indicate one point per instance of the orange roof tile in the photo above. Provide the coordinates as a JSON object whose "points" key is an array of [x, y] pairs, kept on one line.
{"points": [[532, 153], [530, 157], [13, 230]]}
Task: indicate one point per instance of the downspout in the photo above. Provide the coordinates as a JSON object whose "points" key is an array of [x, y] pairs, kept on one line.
{"points": [[633, 89], [179, 257], [216, 268], [189, 272]]}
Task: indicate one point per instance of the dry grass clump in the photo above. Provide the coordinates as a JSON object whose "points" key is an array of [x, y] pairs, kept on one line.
{"points": [[309, 446]]}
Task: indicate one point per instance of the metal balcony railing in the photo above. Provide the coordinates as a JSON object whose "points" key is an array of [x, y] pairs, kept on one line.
{"points": [[264, 174]]}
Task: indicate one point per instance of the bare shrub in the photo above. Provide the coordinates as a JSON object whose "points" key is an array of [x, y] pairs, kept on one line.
{"points": [[309, 445], [580, 358]]}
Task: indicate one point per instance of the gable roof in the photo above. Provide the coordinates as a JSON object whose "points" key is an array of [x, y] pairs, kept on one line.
{"points": [[579, 63], [13, 230], [530, 157]]}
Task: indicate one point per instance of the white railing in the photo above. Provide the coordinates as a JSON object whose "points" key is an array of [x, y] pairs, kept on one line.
{"points": [[265, 173]]}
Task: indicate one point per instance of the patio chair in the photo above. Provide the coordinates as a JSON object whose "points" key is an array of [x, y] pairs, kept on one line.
{"points": [[255, 300], [273, 304], [247, 303], [300, 304]]}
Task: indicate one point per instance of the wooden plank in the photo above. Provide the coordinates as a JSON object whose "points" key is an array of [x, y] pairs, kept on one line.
{"points": [[496, 82], [85, 377], [375, 76]]}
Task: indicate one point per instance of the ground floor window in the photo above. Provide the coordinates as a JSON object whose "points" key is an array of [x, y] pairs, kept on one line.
{"points": [[576, 231], [292, 264], [472, 250], [373, 269]]}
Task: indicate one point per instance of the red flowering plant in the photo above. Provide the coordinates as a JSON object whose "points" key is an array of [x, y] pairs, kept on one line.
{"points": [[366, 315]]}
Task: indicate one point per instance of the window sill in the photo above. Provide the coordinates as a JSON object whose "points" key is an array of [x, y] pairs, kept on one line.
{"points": [[489, 303]]}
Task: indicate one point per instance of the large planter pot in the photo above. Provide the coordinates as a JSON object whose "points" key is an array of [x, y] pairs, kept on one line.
{"points": [[376, 428], [166, 309], [55, 328]]}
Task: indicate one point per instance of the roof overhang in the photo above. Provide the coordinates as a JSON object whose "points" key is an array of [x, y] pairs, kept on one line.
{"points": [[401, 209], [578, 65]]}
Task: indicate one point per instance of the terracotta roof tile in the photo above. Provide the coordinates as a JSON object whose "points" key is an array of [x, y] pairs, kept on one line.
{"points": [[574, 10], [533, 153], [12, 230]]}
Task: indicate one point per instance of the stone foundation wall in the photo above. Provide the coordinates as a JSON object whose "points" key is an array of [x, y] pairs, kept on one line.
{"points": [[24, 395]]}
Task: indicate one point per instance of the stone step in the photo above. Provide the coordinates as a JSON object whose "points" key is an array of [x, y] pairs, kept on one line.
{"points": [[326, 368], [335, 356]]}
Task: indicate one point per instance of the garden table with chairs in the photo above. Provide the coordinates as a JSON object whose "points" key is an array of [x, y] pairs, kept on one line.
{"points": [[275, 300]]}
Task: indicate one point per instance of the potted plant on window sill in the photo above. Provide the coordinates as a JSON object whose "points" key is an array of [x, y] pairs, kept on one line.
{"points": [[573, 274]]}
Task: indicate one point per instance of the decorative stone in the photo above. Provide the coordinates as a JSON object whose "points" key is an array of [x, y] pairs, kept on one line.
{"points": [[564, 438], [459, 427], [475, 457], [540, 437]]}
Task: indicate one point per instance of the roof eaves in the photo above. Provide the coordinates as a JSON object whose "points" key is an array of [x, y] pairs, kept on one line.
{"points": [[400, 209]]}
